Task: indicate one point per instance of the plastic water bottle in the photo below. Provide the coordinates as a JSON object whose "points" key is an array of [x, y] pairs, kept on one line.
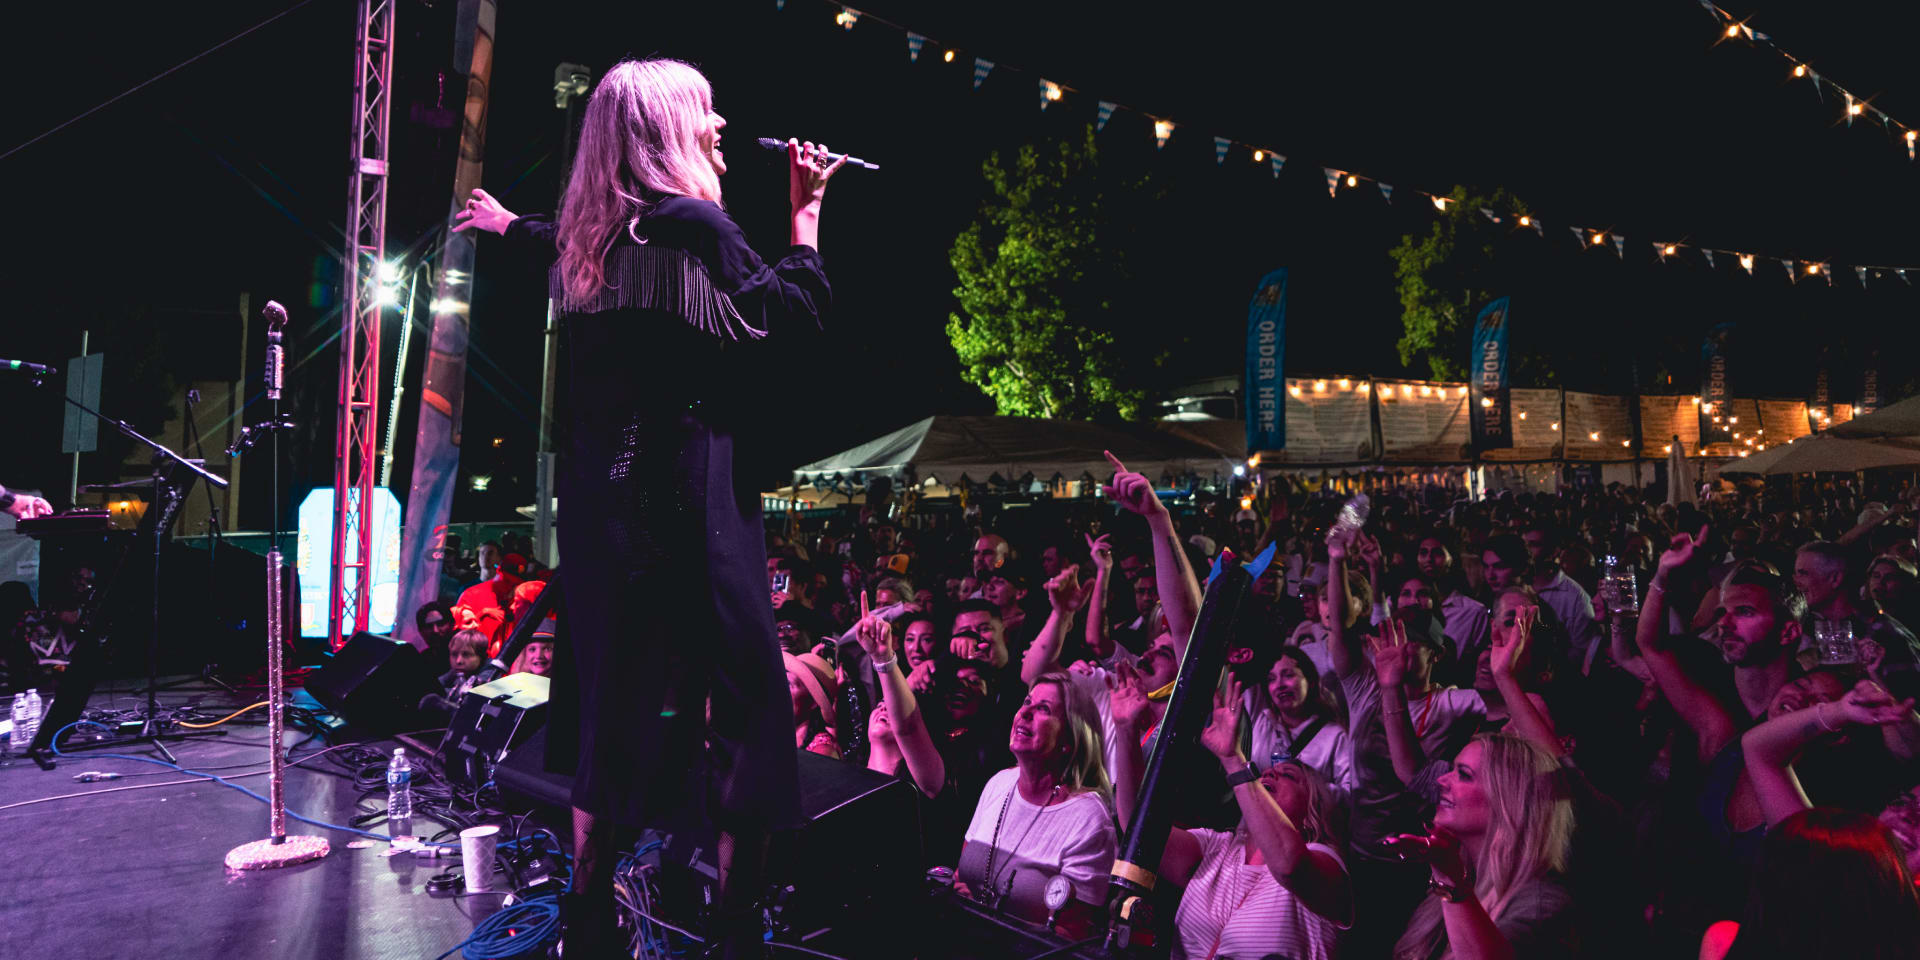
{"points": [[15, 743], [399, 795], [1353, 515], [23, 734]]}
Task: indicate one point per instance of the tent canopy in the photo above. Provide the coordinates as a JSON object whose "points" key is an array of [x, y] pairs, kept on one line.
{"points": [[946, 448], [1825, 454], [1898, 420]]}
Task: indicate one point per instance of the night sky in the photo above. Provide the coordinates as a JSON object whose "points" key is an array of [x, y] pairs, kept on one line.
{"points": [[147, 220]]}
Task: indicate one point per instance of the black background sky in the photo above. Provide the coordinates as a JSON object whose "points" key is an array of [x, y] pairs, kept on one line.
{"points": [[146, 221]]}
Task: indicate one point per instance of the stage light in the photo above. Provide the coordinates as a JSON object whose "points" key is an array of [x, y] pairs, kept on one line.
{"points": [[388, 296], [389, 271], [1259, 155], [1352, 181], [1239, 470], [1799, 69]]}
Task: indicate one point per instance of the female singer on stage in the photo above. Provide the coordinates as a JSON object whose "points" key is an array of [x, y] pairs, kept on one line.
{"points": [[667, 311]]}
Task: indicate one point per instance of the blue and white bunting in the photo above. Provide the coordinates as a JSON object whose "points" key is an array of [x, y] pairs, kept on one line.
{"points": [[847, 17], [1489, 214], [1901, 272], [1861, 272], [1620, 246], [1709, 255], [1579, 236], [1386, 190], [914, 43], [1106, 113], [981, 67], [1333, 180], [1220, 145], [1792, 277], [1278, 162]]}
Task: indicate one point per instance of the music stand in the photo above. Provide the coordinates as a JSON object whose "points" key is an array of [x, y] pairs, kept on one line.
{"points": [[173, 478]]}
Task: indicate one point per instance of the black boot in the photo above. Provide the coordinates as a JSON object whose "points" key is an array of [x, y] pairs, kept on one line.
{"points": [[589, 929]]}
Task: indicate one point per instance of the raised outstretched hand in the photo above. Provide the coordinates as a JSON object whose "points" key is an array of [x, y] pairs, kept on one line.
{"points": [[874, 633], [1065, 591], [1222, 735], [1101, 548], [1437, 848], [484, 212], [1132, 491], [1127, 700], [1390, 651], [1680, 551], [1510, 646], [1869, 704]]}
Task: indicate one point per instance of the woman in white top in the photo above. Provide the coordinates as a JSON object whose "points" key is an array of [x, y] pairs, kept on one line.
{"points": [[1293, 719], [1048, 816], [1274, 887]]}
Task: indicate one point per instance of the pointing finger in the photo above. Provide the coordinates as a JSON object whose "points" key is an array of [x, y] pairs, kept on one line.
{"points": [[1118, 467]]}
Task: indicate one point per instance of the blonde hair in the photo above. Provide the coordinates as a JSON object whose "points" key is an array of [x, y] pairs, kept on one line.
{"points": [[1529, 833], [640, 140], [1323, 821], [1086, 762]]}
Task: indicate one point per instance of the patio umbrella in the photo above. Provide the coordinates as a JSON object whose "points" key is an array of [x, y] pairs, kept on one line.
{"points": [[1896, 420], [1681, 487], [1825, 454]]}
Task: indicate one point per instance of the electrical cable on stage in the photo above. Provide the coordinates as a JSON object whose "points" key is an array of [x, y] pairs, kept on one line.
{"points": [[516, 930], [230, 716]]}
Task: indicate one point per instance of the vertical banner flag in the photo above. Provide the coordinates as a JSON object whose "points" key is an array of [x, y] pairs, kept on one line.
{"points": [[1869, 400], [981, 68], [1716, 395], [1220, 145], [1488, 406], [914, 43], [1265, 391], [436, 443], [1106, 113]]}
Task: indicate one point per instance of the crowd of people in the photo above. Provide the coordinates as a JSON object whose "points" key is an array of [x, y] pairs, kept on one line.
{"points": [[1533, 725]]}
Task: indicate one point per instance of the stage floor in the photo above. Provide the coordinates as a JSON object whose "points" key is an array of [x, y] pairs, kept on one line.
{"points": [[139, 872]]}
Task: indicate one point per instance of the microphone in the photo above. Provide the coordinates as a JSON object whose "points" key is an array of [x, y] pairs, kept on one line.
{"points": [[276, 353], [781, 145], [31, 369]]}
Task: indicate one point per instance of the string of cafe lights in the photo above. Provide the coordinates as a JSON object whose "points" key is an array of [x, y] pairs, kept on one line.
{"points": [[1049, 92]]}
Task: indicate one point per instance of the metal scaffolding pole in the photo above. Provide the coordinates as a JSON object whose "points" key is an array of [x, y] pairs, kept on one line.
{"points": [[356, 453]]}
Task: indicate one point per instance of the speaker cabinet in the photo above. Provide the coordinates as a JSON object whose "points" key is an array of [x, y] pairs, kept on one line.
{"points": [[373, 683]]}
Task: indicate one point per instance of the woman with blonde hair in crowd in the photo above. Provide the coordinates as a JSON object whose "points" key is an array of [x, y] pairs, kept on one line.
{"points": [[1497, 852], [1049, 815], [1276, 886], [670, 318]]}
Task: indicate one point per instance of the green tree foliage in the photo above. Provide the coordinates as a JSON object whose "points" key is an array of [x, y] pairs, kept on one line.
{"points": [[1038, 272], [1446, 276]]}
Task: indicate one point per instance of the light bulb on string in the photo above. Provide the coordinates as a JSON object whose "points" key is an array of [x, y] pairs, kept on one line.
{"points": [[1440, 203], [1594, 436], [1599, 238], [1486, 401], [1733, 30], [1523, 414], [1259, 155], [1667, 250], [1319, 386], [948, 56], [1799, 69], [1556, 425], [1352, 181]]}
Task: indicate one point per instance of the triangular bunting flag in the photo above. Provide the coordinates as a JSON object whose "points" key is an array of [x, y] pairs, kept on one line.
{"points": [[1220, 145], [1489, 214], [1709, 255], [1791, 276], [1162, 132], [1911, 137], [914, 43], [1333, 180], [1386, 190], [1579, 236], [1106, 113], [1861, 272], [1660, 249], [981, 67], [1538, 227], [1901, 272], [1620, 246], [1049, 92], [1746, 262], [1278, 162], [1826, 270], [1814, 75]]}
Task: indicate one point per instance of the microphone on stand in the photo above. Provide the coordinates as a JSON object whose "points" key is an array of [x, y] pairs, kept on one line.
{"points": [[772, 144], [31, 369], [276, 352]]}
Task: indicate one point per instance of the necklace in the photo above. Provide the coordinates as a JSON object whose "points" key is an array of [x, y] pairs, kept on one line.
{"points": [[994, 850]]}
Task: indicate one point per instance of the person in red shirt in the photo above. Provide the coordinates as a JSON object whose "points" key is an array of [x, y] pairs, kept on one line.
{"points": [[483, 606]]}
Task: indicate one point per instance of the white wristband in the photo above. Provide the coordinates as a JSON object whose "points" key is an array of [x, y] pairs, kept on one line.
{"points": [[879, 665]]}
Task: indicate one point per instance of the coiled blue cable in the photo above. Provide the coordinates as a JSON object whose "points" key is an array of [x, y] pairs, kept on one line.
{"points": [[516, 930]]}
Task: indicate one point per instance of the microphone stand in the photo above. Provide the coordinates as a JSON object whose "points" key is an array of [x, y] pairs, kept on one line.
{"points": [[278, 849], [218, 612], [168, 494]]}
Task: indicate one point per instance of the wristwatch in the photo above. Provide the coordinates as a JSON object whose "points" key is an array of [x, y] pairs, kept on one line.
{"points": [[1451, 893], [1245, 775]]}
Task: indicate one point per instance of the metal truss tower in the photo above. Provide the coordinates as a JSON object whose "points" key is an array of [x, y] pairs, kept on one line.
{"points": [[356, 450]]}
